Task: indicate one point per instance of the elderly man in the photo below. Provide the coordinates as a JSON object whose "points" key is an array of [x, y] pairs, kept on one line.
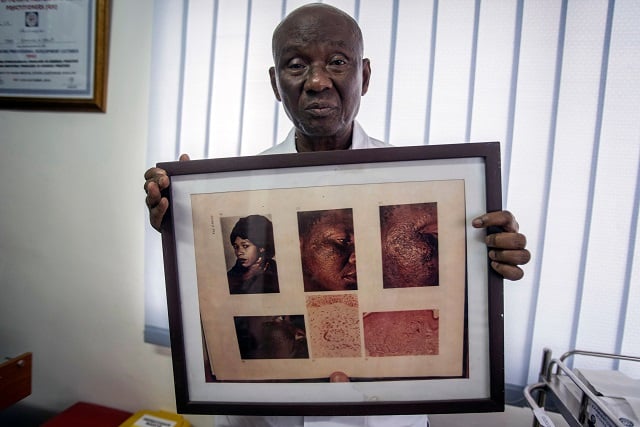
{"points": [[319, 75]]}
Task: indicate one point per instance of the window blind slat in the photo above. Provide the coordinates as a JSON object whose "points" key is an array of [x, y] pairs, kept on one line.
{"points": [[451, 73], [259, 97], [408, 103], [493, 87], [529, 153], [195, 84], [226, 102], [376, 21]]}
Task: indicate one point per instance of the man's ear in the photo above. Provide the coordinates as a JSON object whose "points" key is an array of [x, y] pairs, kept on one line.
{"points": [[366, 75], [274, 83]]}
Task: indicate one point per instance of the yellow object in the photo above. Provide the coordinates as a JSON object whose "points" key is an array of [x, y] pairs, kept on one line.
{"points": [[147, 418]]}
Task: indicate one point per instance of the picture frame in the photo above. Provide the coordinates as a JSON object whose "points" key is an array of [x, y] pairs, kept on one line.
{"points": [[408, 346], [54, 55]]}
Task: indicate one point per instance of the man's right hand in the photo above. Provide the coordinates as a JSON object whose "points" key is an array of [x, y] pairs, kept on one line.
{"points": [[156, 180]]}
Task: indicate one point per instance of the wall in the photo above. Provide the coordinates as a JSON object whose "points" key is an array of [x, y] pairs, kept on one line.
{"points": [[71, 240]]}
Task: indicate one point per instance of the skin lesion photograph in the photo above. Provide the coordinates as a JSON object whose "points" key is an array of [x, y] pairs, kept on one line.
{"points": [[327, 250], [271, 337], [254, 269], [401, 333], [409, 239], [334, 325]]}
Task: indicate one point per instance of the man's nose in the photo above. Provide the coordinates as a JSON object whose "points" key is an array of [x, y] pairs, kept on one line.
{"points": [[317, 79], [352, 256]]}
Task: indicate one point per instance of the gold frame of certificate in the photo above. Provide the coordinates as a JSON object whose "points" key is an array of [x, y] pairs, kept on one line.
{"points": [[415, 324], [54, 55]]}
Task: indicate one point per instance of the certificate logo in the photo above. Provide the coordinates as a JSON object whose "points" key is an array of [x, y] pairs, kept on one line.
{"points": [[31, 19]]}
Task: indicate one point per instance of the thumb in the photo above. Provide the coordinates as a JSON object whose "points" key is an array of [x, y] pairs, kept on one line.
{"points": [[339, 377], [184, 157]]}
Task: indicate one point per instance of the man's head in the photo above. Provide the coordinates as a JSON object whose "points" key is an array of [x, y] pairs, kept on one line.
{"points": [[319, 74]]}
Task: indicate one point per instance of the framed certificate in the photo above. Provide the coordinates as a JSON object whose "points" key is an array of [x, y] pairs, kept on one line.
{"points": [[283, 270], [53, 54]]}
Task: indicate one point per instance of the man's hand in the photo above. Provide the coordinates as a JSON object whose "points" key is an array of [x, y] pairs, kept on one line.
{"points": [[156, 180], [507, 248], [339, 377]]}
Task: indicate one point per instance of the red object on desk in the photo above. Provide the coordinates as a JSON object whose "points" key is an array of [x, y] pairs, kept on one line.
{"points": [[84, 414]]}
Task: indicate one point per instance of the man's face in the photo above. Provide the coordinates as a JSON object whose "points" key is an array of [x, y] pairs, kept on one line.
{"points": [[319, 73], [328, 253]]}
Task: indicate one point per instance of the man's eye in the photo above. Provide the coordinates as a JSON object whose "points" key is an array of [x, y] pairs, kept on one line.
{"points": [[337, 61], [295, 66]]}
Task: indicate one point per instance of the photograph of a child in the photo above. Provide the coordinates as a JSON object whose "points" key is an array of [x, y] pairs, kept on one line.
{"points": [[255, 270]]}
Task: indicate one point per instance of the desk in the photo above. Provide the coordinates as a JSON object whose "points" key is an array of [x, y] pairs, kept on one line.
{"points": [[84, 414], [15, 380]]}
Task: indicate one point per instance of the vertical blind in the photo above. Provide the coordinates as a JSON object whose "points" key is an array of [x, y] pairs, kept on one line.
{"points": [[555, 81]]}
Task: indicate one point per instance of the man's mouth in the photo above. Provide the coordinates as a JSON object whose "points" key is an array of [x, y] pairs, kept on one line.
{"points": [[319, 109]]}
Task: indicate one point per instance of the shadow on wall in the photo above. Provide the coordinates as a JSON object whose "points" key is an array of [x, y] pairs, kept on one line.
{"points": [[24, 415]]}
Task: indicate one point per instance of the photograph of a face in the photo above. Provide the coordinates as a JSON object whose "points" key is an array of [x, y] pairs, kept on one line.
{"points": [[253, 268], [295, 284], [271, 337], [327, 250]]}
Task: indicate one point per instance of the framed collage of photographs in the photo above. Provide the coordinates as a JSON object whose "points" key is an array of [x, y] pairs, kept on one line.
{"points": [[266, 300]]}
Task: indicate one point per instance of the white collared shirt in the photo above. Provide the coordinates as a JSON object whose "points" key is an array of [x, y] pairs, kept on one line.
{"points": [[356, 421], [359, 140]]}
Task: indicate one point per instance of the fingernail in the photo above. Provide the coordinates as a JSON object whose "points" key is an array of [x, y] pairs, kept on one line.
{"points": [[477, 222]]}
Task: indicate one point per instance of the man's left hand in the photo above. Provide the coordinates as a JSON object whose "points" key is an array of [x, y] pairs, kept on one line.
{"points": [[506, 248]]}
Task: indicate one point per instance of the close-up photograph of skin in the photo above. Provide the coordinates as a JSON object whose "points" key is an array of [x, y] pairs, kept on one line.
{"points": [[409, 235], [327, 249]]}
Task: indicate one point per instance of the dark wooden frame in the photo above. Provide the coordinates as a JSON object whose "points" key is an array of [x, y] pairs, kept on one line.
{"points": [[488, 152], [100, 53]]}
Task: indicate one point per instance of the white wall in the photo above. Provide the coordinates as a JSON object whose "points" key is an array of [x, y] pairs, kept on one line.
{"points": [[71, 240]]}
